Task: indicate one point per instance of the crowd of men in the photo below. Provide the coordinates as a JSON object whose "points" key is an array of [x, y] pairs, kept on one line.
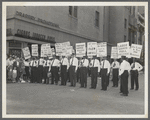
{"points": [[43, 70]]}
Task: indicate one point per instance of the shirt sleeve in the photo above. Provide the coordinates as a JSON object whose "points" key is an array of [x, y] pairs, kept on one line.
{"points": [[98, 65], [67, 63], [140, 67], [76, 64], [108, 67]]}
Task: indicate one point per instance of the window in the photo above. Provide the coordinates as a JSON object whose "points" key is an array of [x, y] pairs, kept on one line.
{"points": [[125, 23], [124, 38], [97, 18], [70, 10], [75, 11]]}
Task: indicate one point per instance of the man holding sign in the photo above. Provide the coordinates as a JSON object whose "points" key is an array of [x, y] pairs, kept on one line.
{"points": [[135, 66]]}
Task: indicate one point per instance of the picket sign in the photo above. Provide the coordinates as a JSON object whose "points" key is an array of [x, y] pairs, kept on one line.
{"points": [[58, 47], [45, 50], [34, 50], [136, 50], [123, 49], [91, 49], [80, 49], [102, 49], [114, 52], [69, 50], [26, 53]]}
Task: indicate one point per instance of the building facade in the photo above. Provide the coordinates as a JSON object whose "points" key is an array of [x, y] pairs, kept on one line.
{"points": [[27, 25]]}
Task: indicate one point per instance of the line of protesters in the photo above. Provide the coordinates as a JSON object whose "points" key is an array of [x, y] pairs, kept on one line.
{"points": [[40, 70]]}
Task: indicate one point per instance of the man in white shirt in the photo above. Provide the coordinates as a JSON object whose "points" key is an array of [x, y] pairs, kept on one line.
{"points": [[83, 71], [40, 70], [32, 69], [124, 71], [95, 69], [36, 71], [78, 70], [45, 69], [105, 70], [55, 69], [135, 68], [64, 69], [115, 70], [73, 69]]}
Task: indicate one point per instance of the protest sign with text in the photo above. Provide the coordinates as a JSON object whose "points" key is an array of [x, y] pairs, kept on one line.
{"points": [[34, 49], [45, 50], [102, 49], [123, 49], [136, 50], [26, 53], [80, 49], [58, 47], [91, 49], [114, 52]]}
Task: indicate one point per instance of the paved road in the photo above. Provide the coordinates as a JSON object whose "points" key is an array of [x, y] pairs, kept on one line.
{"points": [[31, 98]]}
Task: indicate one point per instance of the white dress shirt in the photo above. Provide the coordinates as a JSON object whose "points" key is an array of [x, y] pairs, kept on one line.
{"points": [[35, 64], [55, 63], [74, 62], [105, 64], [64, 61], [44, 63], [31, 62], [41, 61], [125, 65], [95, 63], [137, 66], [115, 65], [85, 63], [26, 63]]}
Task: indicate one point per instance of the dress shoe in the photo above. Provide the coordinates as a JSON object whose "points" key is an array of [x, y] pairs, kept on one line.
{"points": [[131, 88], [136, 89], [91, 87], [113, 86]]}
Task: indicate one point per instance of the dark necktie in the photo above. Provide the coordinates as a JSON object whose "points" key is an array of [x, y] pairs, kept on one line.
{"points": [[62, 61], [53, 62], [103, 63], [93, 62], [133, 66], [72, 61], [114, 64]]}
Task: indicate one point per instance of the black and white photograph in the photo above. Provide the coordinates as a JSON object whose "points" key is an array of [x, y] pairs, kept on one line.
{"points": [[75, 60]]}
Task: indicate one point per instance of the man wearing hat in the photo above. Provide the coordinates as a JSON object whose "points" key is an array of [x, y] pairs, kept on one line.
{"points": [[135, 68], [64, 69], [84, 69], [95, 69], [73, 69], [105, 69], [124, 71], [55, 69], [115, 71]]}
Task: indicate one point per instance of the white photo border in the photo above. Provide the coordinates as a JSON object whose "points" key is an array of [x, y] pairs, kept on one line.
{"points": [[5, 4]]}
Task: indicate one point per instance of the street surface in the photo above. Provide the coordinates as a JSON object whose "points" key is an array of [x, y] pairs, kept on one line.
{"points": [[34, 98]]}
